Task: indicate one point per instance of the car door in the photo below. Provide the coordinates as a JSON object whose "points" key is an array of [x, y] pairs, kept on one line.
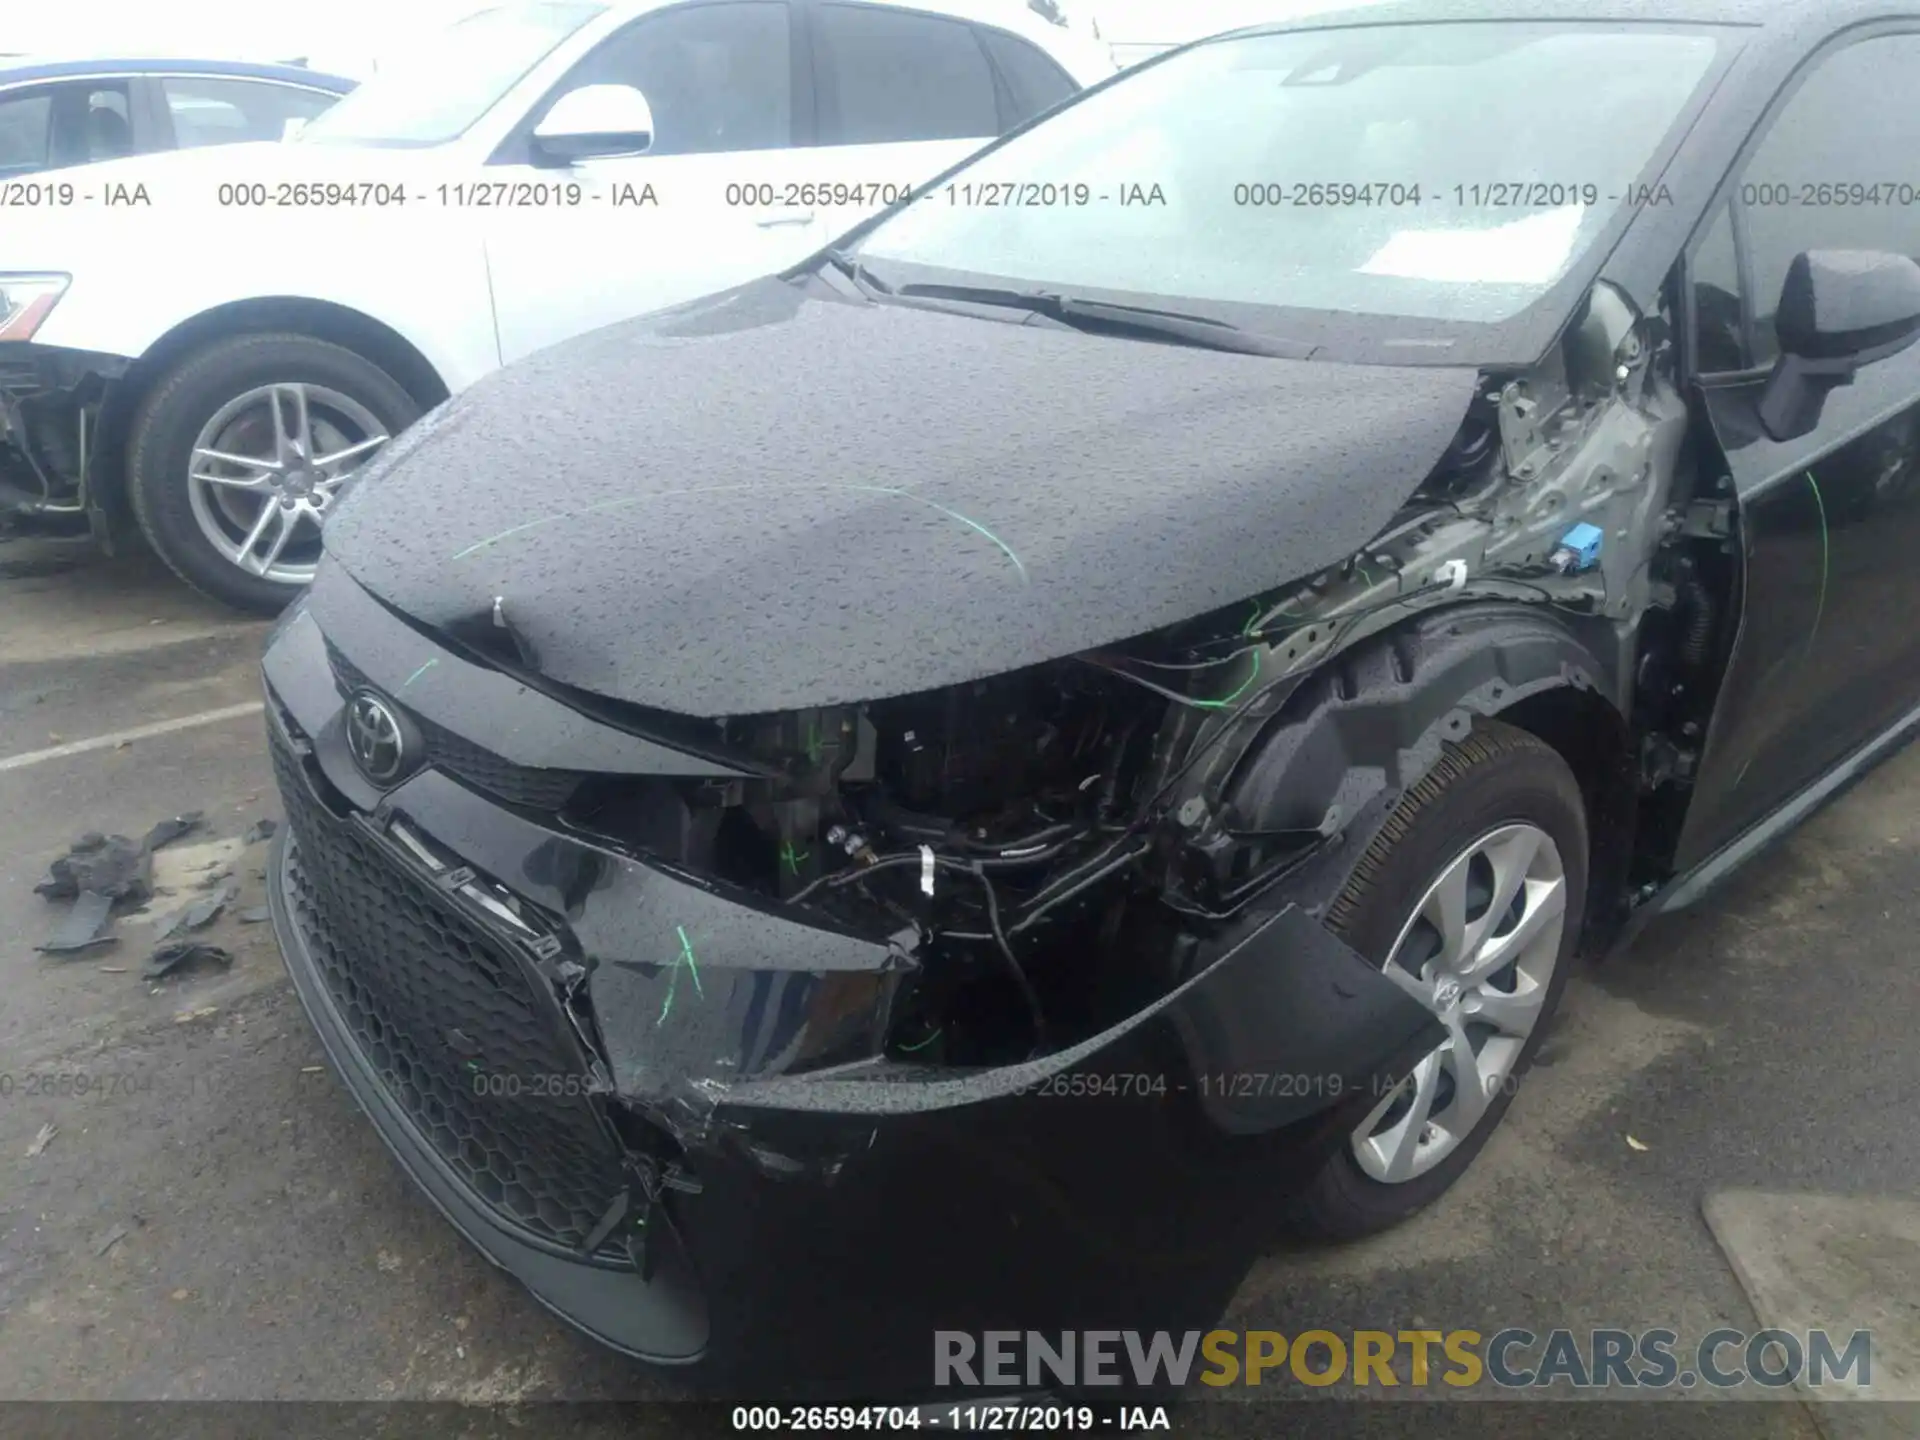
{"points": [[728, 89], [903, 94], [1828, 654], [200, 110]]}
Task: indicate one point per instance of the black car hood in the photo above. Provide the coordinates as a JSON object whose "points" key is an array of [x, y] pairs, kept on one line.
{"points": [[775, 498]]}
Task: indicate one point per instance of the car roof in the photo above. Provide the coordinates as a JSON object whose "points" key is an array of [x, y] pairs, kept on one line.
{"points": [[1013, 15], [28, 69], [1759, 13]]}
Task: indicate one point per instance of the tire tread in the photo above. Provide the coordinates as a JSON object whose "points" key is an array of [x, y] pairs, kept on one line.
{"points": [[1339, 1203]]}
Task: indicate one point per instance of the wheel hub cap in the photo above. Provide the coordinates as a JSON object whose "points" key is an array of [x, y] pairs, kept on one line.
{"points": [[1478, 952], [265, 469]]}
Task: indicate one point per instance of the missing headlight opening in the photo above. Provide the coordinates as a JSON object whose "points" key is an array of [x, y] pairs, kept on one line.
{"points": [[1065, 841], [1021, 792]]}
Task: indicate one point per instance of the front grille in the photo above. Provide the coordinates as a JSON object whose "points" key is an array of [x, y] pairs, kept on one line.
{"points": [[406, 971], [527, 785], [532, 786]]}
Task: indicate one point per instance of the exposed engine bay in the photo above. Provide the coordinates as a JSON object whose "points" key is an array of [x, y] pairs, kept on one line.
{"points": [[1061, 839]]}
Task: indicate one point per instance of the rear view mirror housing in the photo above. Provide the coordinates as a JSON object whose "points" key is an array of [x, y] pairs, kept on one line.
{"points": [[595, 121], [1839, 310]]}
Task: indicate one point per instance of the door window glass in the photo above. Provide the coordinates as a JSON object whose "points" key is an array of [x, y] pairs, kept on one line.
{"points": [[1719, 327], [89, 122], [893, 75], [1832, 172], [109, 132], [1036, 82], [208, 111], [25, 121]]}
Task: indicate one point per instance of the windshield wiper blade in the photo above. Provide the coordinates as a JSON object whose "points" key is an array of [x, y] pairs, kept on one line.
{"points": [[1178, 325], [1109, 317], [856, 272]]}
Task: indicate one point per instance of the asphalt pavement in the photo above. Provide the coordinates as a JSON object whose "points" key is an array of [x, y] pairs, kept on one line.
{"points": [[212, 1220]]}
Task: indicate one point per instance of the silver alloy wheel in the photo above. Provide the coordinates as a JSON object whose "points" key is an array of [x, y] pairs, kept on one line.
{"points": [[265, 469], [1479, 952]]}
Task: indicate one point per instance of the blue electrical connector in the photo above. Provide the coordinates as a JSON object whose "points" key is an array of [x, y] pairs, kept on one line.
{"points": [[1579, 549]]}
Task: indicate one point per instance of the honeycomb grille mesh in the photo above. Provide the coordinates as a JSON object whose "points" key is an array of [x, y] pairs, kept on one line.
{"points": [[418, 985]]}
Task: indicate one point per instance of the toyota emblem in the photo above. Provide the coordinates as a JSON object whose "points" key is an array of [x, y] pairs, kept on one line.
{"points": [[374, 738]]}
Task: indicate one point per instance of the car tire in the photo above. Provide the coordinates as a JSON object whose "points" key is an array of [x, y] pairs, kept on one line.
{"points": [[1498, 782], [345, 400]]}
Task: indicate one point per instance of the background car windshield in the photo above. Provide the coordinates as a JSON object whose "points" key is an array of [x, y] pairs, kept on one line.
{"points": [[1443, 172], [435, 92]]}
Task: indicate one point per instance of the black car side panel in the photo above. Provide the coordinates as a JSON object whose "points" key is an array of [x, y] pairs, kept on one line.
{"points": [[1825, 659]]}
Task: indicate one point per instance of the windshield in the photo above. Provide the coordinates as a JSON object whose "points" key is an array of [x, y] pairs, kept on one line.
{"points": [[1439, 172], [434, 93]]}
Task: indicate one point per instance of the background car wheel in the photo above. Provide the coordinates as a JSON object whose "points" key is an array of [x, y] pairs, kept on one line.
{"points": [[1470, 898], [238, 451]]}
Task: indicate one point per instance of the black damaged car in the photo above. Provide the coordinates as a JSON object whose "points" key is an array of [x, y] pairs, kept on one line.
{"points": [[969, 785]]}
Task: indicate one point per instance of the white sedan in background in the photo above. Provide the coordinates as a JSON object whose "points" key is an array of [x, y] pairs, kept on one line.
{"points": [[208, 343]]}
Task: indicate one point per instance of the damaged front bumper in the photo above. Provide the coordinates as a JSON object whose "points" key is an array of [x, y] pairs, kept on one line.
{"points": [[51, 402], [665, 1108]]}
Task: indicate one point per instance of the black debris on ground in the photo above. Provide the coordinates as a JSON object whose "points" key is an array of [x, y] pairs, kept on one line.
{"points": [[102, 873], [203, 913], [200, 914], [167, 831], [260, 830], [85, 927], [163, 928], [109, 865], [112, 865], [183, 954]]}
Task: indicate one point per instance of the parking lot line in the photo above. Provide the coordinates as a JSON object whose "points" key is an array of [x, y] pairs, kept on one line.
{"points": [[138, 732]]}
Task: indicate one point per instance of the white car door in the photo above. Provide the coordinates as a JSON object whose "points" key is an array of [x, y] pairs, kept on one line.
{"points": [[573, 248]]}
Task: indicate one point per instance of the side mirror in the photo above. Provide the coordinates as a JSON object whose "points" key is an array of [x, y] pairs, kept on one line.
{"points": [[595, 121], [1839, 310], [292, 126]]}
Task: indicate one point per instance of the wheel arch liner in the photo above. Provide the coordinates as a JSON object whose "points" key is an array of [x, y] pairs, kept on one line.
{"points": [[1369, 723]]}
